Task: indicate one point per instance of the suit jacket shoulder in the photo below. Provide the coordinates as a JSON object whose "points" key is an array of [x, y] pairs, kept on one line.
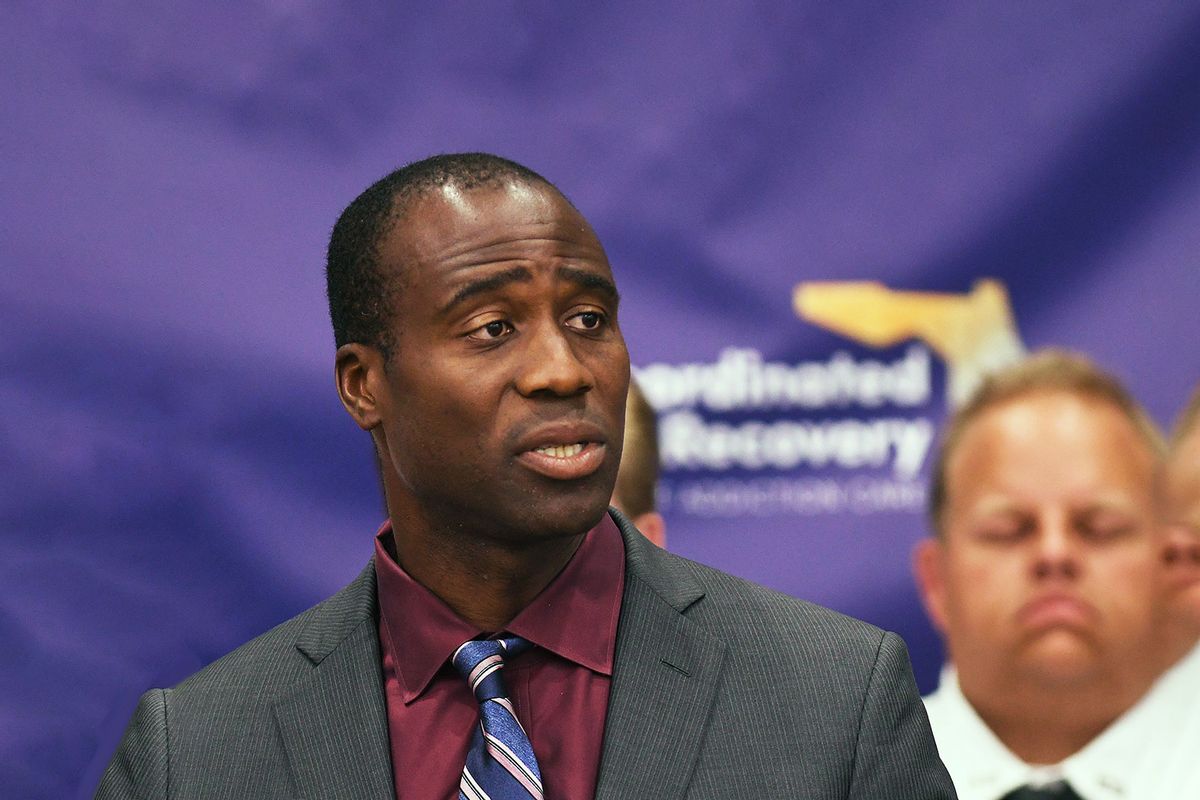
{"points": [[290, 648], [757, 616], [762, 695], [286, 714]]}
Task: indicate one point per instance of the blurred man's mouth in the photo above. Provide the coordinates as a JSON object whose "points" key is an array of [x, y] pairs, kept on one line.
{"points": [[1057, 609]]}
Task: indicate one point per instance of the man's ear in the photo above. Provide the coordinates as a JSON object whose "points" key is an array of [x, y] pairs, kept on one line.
{"points": [[928, 563], [358, 370], [653, 527]]}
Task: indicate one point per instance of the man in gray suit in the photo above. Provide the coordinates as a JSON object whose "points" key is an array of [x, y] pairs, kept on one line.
{"points": [[476, 322]]}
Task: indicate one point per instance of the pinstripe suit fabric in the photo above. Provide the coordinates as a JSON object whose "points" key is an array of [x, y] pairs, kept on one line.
{"points": [[721, 689]]}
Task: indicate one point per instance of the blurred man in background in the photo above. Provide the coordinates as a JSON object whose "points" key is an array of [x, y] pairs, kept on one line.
{"points": [[1043, 578], [634, 495], [1181, 514]]}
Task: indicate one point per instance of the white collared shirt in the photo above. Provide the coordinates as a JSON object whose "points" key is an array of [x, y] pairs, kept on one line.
{"points": [[1152, 752]]}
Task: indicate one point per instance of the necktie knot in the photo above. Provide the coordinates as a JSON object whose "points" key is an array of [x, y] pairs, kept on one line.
{"points": [[480, 661], [500, 763]]}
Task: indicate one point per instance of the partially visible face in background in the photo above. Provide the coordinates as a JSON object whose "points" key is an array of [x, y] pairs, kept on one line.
{"points": [[1180, 497]]}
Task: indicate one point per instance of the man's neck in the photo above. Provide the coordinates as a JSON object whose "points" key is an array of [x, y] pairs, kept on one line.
{"points": [[486, 581], [1044, 723], [1181, 637]]}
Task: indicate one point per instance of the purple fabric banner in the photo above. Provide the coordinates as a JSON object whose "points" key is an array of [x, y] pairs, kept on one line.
{"points": [[176, 474]]}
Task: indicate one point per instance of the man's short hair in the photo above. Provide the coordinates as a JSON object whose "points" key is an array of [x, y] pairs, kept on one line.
{"points": [[360, 289], [1185, 423], [1047, 371], [638, 475]]}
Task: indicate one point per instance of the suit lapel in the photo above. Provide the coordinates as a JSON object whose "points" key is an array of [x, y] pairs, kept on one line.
{"points": [[334, 725], [665, 677]]}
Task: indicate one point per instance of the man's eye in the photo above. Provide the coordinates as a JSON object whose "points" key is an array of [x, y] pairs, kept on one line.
{"points": [[999, 534], [1105, 531], [1006, 530], [587, 320], [1105, 526], [492, 330]]}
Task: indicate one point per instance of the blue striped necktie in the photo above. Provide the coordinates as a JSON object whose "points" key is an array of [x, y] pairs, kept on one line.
{"points": [[500, 764]]}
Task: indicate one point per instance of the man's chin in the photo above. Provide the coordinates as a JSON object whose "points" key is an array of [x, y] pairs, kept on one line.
{"points": [[1060, 656], [573, 521], [556, 519]]}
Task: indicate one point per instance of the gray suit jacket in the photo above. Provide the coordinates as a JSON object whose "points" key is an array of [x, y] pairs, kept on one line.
{"points": [[720, 689]]}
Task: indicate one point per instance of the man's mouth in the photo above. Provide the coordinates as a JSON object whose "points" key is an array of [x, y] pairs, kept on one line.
{"points": [[564, 462], [1056, 609], [561, 450]]}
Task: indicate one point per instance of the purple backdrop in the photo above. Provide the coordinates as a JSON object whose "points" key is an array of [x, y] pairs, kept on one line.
{"points": [[176, 474]]}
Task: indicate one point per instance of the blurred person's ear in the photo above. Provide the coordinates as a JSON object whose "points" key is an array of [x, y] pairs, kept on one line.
{"points": [[653, 527], [929, 572]]}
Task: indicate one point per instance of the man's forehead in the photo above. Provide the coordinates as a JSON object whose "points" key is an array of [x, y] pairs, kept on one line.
{"points": [[454, 204], [1038, 426], [1186, 454], [470, 201], [448, 220], [1045, 450], [1183, 471]]}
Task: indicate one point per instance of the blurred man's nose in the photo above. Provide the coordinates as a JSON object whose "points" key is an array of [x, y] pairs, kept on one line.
{"points": [[551, 365], [1056, 547]]}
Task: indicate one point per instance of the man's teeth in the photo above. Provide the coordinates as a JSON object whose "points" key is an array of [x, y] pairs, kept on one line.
{"points": [[560, 450]]}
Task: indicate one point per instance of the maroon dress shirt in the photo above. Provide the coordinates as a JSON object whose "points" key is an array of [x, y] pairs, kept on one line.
{"points": [[559, 688]]}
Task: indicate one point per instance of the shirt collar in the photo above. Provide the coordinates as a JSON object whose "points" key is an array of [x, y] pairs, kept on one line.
{"points": [[1110, 767], [1123, 761], [575, 616]]}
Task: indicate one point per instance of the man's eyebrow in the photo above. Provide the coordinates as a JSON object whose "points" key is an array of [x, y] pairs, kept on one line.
{"points": [[590, 280], [488, 284], [1110, 501], [993, 505]]}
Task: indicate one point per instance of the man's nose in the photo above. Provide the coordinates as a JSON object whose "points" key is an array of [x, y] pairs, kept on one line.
{"points": [[1056, 553], [551, 365]]}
